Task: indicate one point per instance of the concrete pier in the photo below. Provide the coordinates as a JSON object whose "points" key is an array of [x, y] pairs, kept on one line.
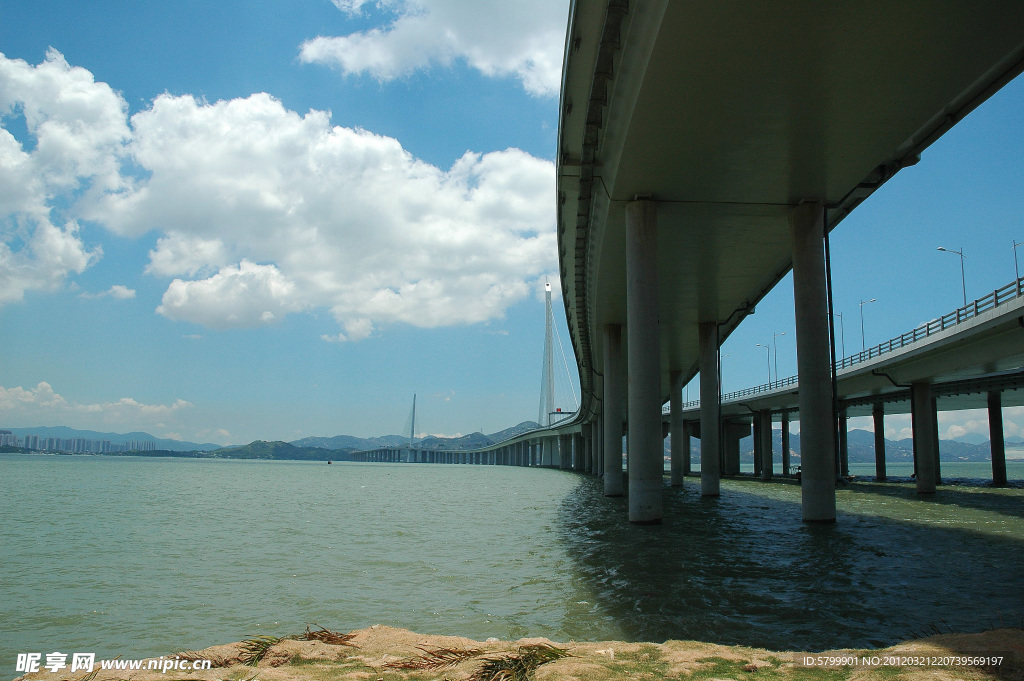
{"points": [[765, 436], [814, 363], [613, 391], [687, 429], [935, 426], [995, 436], [677, 428], [844, 443], [646, 445], [925, 444], [757, 443], [710, 428], [785, 443], [878, 421]]}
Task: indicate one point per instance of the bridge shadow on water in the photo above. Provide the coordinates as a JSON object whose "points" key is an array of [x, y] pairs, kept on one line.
{"points": [[744, 569]]}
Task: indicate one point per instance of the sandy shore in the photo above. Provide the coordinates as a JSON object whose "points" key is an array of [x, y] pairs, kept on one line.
{"points": [[377, 649]]}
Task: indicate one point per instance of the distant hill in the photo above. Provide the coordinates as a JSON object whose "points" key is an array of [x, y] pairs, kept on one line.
{"points": [[67, 433], [471, 441], [261, 449], [351, 442], [514, 431]]}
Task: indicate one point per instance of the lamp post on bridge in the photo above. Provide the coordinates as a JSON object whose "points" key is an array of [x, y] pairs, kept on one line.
{"points": [[775, 343], [842, 331], [1016, 268], [769, 358], [863, 346], [963, 280]]}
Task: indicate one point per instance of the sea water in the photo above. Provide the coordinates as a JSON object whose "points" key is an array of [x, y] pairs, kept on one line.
{"points": [[139, 556]]}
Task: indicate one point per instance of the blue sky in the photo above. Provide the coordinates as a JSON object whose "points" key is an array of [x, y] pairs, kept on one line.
{"points": [[223, 221]]}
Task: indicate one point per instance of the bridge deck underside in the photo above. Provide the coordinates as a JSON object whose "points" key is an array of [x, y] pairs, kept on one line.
{"points": [[727, 115]]}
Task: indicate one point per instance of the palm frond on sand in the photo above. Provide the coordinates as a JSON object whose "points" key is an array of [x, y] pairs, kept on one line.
{"points": [[329, 637], [256, 648], [518, 666], [436, 658]]}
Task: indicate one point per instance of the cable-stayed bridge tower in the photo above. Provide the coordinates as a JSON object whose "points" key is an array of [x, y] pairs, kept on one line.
{"points": [[410, 423], [547, 381]]}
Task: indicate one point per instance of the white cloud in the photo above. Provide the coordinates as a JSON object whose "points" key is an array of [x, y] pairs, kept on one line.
{"points": [[45, 257], [77, 129], [523, 39], [43, 403], [240, 295], [342, 219], [261, 212], [116, 291]]}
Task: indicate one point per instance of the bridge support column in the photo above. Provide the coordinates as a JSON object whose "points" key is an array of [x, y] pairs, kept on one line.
{"points": [[878, 421], [591, 444], [923, 423], [677, 428], [935, 426], [814, 364], [613, 380], [785, 443], [765, 435], [844, 443], [547, 454], [995, 436], [588, 450], [758, 444], [710, 425], [599, 446], [686, 451], [646, 445]]}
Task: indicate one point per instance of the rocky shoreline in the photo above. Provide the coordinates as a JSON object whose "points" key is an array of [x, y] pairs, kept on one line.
{"points": [[381, 653]]}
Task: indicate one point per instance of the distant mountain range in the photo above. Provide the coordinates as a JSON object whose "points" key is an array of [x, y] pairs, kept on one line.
{"points": [[471, 441], [337, 448], [861, 445]]}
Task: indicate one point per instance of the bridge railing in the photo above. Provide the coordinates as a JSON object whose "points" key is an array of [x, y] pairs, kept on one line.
{"points": [[1000, 296], [960, 315]]}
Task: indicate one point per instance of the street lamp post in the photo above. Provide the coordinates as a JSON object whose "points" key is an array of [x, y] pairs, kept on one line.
{"points": [[1016, 268], [775, 343], [768, 356], [863, 346], [842, 331], [963, 280]]}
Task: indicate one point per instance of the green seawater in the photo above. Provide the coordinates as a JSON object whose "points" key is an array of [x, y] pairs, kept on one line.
{"points": [[135, 557]]}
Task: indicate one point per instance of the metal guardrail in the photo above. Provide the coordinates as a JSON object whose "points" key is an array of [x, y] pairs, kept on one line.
{"points": [[988, 302]]}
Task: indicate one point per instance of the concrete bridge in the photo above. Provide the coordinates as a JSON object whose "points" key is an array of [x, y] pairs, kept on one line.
{"points": [[969, 358], [706, 150]]}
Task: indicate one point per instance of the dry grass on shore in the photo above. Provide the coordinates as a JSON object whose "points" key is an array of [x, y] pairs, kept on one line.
{"points": [[381, 653]]}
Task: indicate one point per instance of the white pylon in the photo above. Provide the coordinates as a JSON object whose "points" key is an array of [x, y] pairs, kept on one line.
{"points": [[547, 382]]}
